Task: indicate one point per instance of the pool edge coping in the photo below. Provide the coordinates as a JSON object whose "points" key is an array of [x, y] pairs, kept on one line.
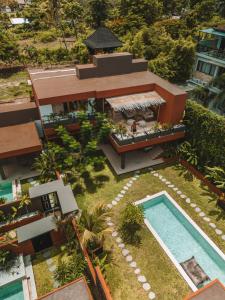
{"points": [[162, 244]]}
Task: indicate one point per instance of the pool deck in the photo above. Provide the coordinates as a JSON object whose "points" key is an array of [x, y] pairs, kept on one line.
{"points": [[215, 290]]}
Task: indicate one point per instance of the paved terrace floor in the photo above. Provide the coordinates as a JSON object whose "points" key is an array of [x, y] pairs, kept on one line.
{"points": [[135, 160]]}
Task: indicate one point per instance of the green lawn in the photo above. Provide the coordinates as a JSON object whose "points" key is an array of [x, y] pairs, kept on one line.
{"points": [[165, 280], [42, 275], [14, 85]]}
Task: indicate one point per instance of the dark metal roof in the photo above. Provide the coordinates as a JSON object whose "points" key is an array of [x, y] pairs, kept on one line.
{"points": [[102, 38]]}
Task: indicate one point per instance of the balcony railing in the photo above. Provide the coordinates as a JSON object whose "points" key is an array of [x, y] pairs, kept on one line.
{"points": [[212, 52], [126, 139], [64, 119]]}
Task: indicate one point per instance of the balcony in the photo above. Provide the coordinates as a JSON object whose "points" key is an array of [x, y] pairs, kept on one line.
{"points": [[55, 120], [203, 48], [148, 138]]}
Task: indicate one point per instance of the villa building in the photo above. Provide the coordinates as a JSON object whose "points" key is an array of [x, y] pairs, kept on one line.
{"points": [[210, 61], [121, 87]]}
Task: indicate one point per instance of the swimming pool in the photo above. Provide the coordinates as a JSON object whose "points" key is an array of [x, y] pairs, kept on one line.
{"points": [[12, 291], [181, 237], [6, 190]]}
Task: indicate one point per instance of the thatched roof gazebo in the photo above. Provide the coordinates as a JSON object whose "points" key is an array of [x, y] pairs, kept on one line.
{"points": [[102, 40]]}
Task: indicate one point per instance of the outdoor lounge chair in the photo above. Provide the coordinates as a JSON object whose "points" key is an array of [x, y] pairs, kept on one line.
{"points": [[194, 271]]}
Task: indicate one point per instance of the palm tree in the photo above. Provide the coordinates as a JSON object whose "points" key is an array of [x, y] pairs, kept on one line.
{"points": [[221, 8], [93, 227]]}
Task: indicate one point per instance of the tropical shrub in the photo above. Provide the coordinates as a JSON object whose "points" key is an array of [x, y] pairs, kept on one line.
{"points": [[71, 269], [217, 176], [93, 227], [47, 36], [188, 152], [3, 200], [131, 222], [98, 163]]}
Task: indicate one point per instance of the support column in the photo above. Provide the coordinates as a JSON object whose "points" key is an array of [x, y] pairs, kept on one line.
{"points": [[123, 160], [2, 172]]}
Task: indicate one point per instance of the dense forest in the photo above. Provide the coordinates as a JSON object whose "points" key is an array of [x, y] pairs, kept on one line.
{"points": [[165, 32]]}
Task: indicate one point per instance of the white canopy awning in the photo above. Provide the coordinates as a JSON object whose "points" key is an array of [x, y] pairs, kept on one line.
{"points": [[135, 101]]}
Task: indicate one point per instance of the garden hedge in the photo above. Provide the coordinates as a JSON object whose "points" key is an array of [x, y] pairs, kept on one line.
{"points": [[206, 132]]}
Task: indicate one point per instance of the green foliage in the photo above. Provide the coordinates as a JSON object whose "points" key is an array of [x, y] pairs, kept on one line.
{"points": [[85, 132], [217, 176], [47, 36], [131, 222], [206, 131], [93, 227], [3, 200], [98, 12], [98, 163], [8, 47], [7, 260], [71, 269], [188, 152]]}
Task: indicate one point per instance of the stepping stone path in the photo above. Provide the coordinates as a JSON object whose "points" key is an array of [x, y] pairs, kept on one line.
{"points": [[206, 219], [202, 214], [223, 237], [125, 252], [179, 192], [175, 189], [193, 205], [49, 261], [141, 278], [188, 200], [183, 196]]}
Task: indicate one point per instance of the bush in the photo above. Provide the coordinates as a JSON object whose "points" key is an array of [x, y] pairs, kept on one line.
{"points": [[206, 131], [47, 36], [98, 163], [70, 270], [131, 221]]}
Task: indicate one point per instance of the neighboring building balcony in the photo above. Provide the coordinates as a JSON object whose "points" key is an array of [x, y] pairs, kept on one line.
{"points": [[132, 141], [215, 53]]}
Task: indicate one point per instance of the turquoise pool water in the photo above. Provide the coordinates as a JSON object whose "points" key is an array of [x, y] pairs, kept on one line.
{"points": [[12, 291], [181, 237], [6, 191]]}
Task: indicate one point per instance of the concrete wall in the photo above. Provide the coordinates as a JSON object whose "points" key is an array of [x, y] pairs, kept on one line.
{"points": [[109, 65], [18, 117]]}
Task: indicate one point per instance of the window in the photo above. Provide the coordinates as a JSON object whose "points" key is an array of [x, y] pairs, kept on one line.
{"points": [[206, 68]]}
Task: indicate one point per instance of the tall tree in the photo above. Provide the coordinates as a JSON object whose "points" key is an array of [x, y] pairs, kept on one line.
{"points": [[98, 11]]}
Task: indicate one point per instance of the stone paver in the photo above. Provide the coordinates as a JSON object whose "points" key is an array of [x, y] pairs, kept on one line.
{"points": [[114, 202], [133, 264], [129, 258], [118, 240], [125, 252], [206, 219], [141, 278], [188, 200], [137, 271], [151, 295], [197, 209], [121, 245], [223, 237], [201, 214], [110, 224], [218, 231], [212, 225], [52, 268], [49, 261], [193, 205], [115, 233], [146, 286], [109, 206]]}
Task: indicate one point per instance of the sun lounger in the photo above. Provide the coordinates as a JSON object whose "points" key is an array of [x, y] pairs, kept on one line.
{"points": [[194, 271]]}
